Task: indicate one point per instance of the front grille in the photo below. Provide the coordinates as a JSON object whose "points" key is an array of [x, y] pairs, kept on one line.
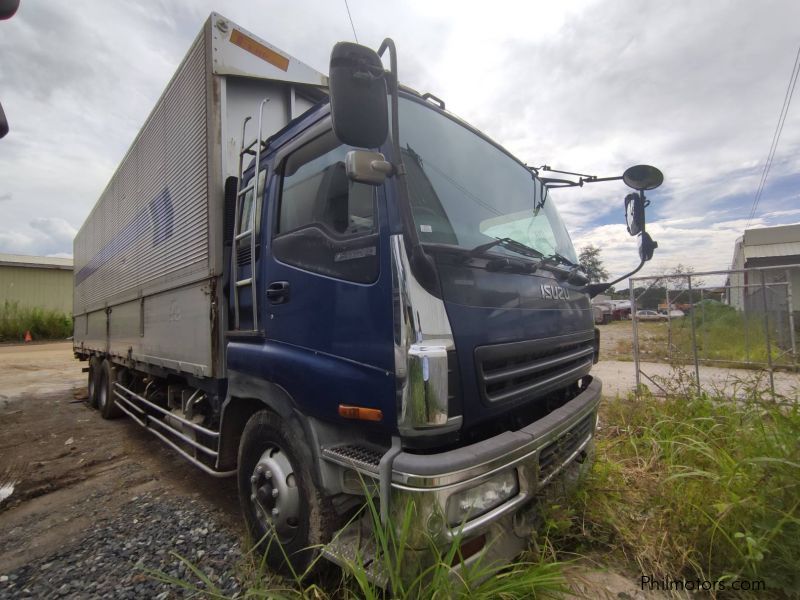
{"points": [[526, 370], [553, 456], [454, 408]]}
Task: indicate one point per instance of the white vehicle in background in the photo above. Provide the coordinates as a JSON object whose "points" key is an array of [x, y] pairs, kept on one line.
{"points": [[650, 315]]}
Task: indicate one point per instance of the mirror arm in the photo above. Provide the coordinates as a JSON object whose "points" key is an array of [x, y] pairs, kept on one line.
{"points": [[596, 179], [593, 289], [421, 263], [559, 183], [388, 43]]}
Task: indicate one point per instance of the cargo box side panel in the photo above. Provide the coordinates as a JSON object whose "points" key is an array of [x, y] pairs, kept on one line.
{"points": [[90, 331], [149, 231], [125, 328], [177, 331]]}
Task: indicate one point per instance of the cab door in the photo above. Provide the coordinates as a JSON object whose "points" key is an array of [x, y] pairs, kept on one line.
{"points": [[327, 299]]}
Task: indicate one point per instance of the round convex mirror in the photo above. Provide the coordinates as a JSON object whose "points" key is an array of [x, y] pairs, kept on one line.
{"points": [[642, 177]]}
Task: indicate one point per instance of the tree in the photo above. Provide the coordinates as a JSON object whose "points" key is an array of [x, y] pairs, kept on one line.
{"points": [[591, 264], [676, 278]]}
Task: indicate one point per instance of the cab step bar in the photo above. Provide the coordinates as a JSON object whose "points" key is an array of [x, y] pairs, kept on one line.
{"points": [[360, 458]]}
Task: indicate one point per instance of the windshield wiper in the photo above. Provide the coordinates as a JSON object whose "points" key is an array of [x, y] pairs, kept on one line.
{"points": [[508, 244], [574, 275], [558, 258]]}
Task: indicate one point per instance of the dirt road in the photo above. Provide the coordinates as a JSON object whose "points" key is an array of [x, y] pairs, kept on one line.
{"points": [[74, 483], [619, 378], [37, 369]]}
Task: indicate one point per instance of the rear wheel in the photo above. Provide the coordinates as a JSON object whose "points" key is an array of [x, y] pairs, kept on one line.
{"points": [[286, 514], [105, 391], [91, 386]]}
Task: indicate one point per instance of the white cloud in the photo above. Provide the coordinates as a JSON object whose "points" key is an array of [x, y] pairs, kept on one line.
{"points": [[42, 236], [705, 247], [693, 88]]}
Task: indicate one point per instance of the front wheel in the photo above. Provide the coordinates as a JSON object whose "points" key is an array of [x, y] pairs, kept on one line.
{"points": [[286, 514]]}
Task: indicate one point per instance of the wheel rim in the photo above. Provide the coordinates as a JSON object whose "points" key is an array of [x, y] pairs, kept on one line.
{"points": [[92, 375], [274, 494]]}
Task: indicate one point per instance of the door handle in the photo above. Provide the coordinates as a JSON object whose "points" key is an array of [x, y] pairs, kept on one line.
{"points": [[278, 292]]}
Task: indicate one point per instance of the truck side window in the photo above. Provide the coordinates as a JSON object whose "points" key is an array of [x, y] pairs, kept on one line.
{"points": [[326, 223], [319, 192]]}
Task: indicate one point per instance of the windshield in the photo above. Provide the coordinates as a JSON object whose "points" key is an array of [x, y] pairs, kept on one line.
{"points": [[466, 192]]}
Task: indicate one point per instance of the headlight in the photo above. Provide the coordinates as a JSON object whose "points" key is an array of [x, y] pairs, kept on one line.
{"points": [[474, 502]]}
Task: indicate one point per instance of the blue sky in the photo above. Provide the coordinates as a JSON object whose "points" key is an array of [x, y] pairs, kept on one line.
{"points": [[693, 88]]}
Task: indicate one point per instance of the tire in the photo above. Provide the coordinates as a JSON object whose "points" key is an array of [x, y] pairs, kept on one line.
{"points": [[91, 385], [273, 456], [105, 397]]}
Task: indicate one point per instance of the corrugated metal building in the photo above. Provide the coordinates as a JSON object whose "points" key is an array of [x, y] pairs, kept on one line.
{"points": [[767, 247], [36, 281]]}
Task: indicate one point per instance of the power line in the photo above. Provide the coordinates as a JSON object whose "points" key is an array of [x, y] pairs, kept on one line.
{"points": [[351, 20], [787, 100]]}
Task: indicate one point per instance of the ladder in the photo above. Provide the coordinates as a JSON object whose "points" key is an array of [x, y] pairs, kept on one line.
{"points": [[250, 231]]}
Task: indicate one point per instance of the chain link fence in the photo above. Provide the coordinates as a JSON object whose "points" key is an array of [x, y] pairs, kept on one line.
{"points": [[717, 327]]}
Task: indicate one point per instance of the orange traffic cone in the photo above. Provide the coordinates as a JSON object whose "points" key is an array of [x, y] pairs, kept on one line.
{"points": [[28, 337]]}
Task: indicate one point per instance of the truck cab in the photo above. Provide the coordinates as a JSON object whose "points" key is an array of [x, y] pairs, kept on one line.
{"points": [[460, 383]]}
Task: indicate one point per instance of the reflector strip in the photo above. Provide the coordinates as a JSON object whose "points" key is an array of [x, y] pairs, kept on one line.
{"points": [[360, 413], [468, 549], [260, 50]]}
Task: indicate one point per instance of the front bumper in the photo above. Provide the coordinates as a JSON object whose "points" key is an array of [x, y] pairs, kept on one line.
{"points": [[537, 452]]}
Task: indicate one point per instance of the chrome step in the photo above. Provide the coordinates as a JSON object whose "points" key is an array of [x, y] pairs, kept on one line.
{"points": [[361, 458]]}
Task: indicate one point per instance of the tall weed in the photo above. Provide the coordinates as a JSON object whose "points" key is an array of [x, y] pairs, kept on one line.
{"points": [[693, 486], [43, 323]]}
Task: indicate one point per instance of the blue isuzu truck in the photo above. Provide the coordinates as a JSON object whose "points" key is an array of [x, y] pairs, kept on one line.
{"points": [[333, 287]]}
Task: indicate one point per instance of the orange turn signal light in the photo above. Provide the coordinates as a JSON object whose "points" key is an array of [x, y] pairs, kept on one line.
{"points": [[360, 413]]}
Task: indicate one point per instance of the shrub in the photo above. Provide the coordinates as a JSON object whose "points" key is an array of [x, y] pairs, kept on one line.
{"points": [[42, 323]]}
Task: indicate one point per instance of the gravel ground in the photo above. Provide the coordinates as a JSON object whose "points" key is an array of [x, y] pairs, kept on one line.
{"points": [[114, 558]]}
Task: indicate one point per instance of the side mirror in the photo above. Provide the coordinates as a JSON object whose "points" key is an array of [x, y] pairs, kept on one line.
{"points": [[642, 177], [634, 213], [646, 247], [7, 9], [358, 96], [368, 167], [3, 123]]}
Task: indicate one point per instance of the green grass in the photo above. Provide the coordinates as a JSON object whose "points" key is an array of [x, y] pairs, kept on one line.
{"points": [[694, 487], [429, 575], [724, 334], [44, 324], [724, 337]]}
